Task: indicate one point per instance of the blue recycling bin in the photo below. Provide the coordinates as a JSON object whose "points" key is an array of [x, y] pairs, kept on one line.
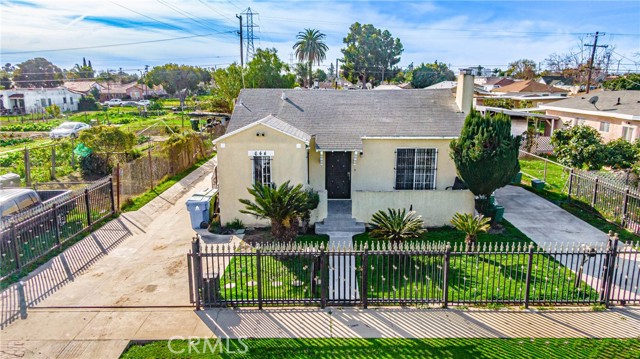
{"points": [[199, 206]]}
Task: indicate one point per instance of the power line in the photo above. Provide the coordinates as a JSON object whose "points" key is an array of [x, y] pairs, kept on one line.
{"points": [[152, 18], [216, 11], [111, 45], [193, 18]]}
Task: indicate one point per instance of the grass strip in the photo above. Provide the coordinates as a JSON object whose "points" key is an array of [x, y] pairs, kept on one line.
{"points": [[135, 203], [552, 348]]}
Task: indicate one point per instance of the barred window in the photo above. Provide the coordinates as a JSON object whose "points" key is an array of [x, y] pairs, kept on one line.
{"points": [[262, 170], [416, 168]]}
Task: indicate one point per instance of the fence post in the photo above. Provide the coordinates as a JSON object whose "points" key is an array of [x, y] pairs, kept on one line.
{"points": [[73, 146], [197, 270], [118, 184], [88, 205], [27, 167], [22, 299], [56, 223], [16, 245], [259, 275], [111, 196], [527, 288], [605, 272], [53, 162], [365, 277], [570, 183], [324, 283], [613, 254], [445, 276], [595, 193], [150, 168], [625, 206]]}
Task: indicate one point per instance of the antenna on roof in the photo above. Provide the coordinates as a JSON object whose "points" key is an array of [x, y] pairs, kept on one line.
{"points": [[593, 101], [283, 96]]}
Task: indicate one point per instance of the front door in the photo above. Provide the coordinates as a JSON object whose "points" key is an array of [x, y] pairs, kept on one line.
{"points": [[338, 175]]}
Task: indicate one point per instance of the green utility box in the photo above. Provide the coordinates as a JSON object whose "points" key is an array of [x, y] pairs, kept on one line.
{"points": [[537, 184], [517, 179], [195, 124]]}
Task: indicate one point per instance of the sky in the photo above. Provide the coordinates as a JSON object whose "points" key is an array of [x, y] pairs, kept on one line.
{"points": [[123, 34]]}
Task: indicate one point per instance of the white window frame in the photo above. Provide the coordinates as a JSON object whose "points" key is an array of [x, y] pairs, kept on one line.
{"points": [[629, 133], [604, 126], [266, 175], [431, 172]]}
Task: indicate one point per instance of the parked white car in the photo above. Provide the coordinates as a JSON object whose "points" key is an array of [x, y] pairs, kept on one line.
{"points": [[144, 103], [128, 103], [113, 102], [68, 129]]}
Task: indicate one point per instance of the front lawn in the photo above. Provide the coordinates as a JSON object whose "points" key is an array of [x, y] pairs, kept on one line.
{"points": [[499, 275], [560, 348]]}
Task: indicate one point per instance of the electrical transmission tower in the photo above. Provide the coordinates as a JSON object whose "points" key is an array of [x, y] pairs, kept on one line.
{"points": [[250, 49]]}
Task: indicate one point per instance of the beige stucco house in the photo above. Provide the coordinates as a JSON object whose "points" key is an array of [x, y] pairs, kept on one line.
{"points": [[616, 114], [378, 149]]}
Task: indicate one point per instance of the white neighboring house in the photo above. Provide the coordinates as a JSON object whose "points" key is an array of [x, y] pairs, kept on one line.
{"points": [[35, 100]]}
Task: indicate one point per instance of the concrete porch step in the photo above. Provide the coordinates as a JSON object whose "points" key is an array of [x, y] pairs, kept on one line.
{"points": [[343, 225]]}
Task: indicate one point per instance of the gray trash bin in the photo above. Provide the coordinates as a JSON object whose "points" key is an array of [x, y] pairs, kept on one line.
{"points": [[199, 206]]}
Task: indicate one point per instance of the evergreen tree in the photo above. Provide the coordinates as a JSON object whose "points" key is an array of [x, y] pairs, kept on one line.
{"points": [[486, 155]]}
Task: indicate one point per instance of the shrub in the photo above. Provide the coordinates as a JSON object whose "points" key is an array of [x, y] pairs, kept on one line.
{"points": [[94, 165], [235, 224], [471, 225], [621, 154], [396, 225], [53, 111], [578, 146]]}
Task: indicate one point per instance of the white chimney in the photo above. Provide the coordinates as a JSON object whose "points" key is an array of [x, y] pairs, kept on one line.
{"points": [[464, 91]]}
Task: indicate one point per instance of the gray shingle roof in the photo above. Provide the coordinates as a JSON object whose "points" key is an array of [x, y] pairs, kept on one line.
{"points": [[339, 119], [629, 103]]}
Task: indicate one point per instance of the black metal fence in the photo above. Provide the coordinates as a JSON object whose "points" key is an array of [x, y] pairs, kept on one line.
{"points": [[620, 204], [28, 236], [413, 274]]}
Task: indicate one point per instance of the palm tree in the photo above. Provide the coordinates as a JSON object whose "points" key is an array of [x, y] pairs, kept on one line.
{"points": [[284, 206], [396, 225], [471, 225], [311, 48]]}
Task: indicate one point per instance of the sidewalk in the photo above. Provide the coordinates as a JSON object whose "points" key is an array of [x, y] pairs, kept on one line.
{"points": [[125, 279]]}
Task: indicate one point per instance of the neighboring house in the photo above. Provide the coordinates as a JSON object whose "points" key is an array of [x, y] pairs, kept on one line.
{"points": [[388, 87], [529, 87], [443, 85], [562, 82], [492, 82], [35, 100], [616, 114], [83, 87], [379, 149], [520, 120]]}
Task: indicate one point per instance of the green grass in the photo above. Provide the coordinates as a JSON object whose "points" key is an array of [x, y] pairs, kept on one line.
{"points": [[283, 276], [137, 202], [556, 191], [520, 348], [472, 278]]}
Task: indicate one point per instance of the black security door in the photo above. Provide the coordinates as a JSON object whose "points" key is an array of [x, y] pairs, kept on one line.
{"points": [[338, 175]]}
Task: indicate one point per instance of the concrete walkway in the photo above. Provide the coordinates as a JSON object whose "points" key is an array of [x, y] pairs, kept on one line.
{"points": [[543, 221], [127, 279]]}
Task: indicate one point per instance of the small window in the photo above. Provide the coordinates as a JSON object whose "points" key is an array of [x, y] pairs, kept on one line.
{"points": [[262, 170], [71, 100], [43, 102], [604, 126], [64, 100], [416, 168], [627, 133], [49, 101]]}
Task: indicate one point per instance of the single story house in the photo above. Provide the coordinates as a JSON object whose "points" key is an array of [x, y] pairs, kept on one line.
{"points": [[616, 114], [83, 87], [492, 82], [378, 149], [35, 100]]}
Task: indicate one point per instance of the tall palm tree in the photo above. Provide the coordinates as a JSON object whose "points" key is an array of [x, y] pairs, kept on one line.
{"points": [[311, 48]]}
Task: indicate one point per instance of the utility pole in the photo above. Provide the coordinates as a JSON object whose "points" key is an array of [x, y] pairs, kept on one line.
{"points": [[241, 54], [337, 74], [146, 87], [593, 54]]}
